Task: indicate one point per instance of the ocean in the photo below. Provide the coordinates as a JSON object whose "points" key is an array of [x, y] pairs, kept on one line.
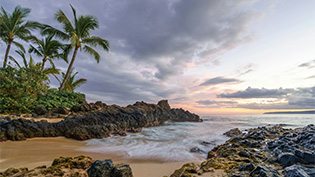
{"points": [[187, 141]]}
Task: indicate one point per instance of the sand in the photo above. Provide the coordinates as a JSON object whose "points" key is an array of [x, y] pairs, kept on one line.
{"points": [[42, 151]]}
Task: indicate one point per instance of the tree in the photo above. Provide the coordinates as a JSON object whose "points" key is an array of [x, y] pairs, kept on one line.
{"points": [[47, 48], [13, 26], [78, 32], [71, 84], [37, 66]]}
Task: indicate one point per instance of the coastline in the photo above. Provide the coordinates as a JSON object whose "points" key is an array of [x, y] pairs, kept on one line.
{"points": [[36, 152]]}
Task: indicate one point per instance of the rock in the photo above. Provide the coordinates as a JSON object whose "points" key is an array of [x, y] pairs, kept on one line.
{"points": [[246, 167], [101, 168], [197, 150], [287, 159], [233, 132], [40, 110], [164, 104], [264, 171], [75, 108], [121, 170], [244, 153], [62, 110], [309, 157], [295, 171]]}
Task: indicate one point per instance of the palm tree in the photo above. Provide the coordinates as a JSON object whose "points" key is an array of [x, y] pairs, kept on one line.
{"points": [[30, 64], [47, 48], [13, 26], [71, 84], [78, 32]]}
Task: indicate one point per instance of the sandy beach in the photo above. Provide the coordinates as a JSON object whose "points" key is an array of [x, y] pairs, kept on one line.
{"points": [[42, 151]]}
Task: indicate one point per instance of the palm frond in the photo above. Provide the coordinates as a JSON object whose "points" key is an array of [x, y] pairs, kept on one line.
{"points": [[97, 41], [76, 84], [20, 46], [14, 60], [91, 51]]}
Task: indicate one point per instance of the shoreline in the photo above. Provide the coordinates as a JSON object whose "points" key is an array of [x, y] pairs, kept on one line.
{"points": [[36, 152]]}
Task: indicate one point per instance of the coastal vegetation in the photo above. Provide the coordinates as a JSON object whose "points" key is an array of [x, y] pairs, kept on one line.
{"points": [[25, 86]]}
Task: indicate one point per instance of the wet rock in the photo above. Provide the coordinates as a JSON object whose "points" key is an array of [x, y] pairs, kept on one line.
{"points": [[121, 170], [264, 171], [244, 153], [233, 132], [287, 159], [101, 168], [40, 110], [197, 150]]}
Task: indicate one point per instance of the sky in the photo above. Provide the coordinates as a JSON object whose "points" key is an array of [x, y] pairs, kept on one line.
{"points": [[206, 56]]}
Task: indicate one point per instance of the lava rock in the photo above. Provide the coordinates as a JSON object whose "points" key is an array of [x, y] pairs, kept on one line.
{"points": [[75, 108], [101, 168], [121, 170], [62, 110], [40, 110], [233, 132], [264, 171]]}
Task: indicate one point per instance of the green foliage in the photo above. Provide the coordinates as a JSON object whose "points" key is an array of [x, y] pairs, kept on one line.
{"points": [[20, 89], [55, 98]]}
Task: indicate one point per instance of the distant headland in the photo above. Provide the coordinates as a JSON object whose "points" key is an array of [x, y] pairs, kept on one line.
{"points": [[292, 112]]}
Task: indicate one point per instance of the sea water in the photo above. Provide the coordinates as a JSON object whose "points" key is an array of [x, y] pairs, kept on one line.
{"points": [[175, 141]]}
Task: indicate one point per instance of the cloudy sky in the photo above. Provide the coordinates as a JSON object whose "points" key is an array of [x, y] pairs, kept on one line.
{"points": [[207, 56]]}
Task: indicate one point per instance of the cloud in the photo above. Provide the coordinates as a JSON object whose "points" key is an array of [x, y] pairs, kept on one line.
{"points": [[212, 102], [309, 64], [219, 80], [151, 42], [257, 93], [300, 98]]}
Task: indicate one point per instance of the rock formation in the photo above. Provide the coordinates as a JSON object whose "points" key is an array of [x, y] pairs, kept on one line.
{"points": [[96, 120]]}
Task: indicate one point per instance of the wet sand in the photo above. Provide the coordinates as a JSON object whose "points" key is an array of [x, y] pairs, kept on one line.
{"points": [[42, 151]]}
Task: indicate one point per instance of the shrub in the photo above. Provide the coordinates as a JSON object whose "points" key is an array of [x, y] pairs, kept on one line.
{"points": [[20, 89], [55, 98]]}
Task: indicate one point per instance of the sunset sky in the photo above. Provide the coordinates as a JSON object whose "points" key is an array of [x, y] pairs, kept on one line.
{"points": [[205, 56]]}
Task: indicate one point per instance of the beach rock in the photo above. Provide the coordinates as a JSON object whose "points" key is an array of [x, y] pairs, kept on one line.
{"points": [[121, 170], [75, 108], [40, 110], [101, 168], [233, 132], [197, 150], [287, 159], [246, 167], [264, 171]]}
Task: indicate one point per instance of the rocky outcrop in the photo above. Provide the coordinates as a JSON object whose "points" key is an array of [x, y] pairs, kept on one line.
{"points": [[96, 124], [80, 166], [263, 151]]}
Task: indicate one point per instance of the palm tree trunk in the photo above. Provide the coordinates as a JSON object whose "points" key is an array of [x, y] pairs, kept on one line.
{"points": [[69, 69], [44, 60], [7, 53]]}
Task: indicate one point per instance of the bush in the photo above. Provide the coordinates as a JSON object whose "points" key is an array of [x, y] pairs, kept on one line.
{"points": [[56, 98], [20, 89], [23, 89]]}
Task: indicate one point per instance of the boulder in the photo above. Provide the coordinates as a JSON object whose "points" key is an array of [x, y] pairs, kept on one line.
{"points": [[40, 110], [75, 108], [101, 168], [62, 110], [197, 150], [233, 132], [121, 170]]}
